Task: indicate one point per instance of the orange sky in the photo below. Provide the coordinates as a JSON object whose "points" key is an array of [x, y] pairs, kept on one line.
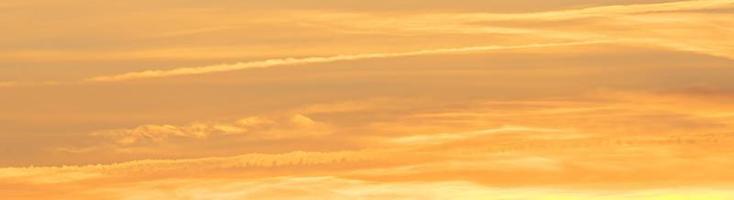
{"points": [[303, 99]]}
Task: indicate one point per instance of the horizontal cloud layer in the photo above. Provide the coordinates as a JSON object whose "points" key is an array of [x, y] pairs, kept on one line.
{"points": [[313, 60], [257, 128], [630, 101]]}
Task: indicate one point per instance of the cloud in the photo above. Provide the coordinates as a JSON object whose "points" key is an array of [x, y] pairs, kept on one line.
{"points": [[614, 10], [255, 128], [506, 142], [644, 25], [602, 30], [625, 24], [653, 120], [315, 60], [325, 187], [425, 145], [447, 137]]}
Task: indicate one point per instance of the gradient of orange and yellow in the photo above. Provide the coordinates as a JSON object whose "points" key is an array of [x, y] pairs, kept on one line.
{"points": [[429, 99]]}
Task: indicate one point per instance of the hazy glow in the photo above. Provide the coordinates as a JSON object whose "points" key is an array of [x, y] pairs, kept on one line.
{"points": [[430, 99]]}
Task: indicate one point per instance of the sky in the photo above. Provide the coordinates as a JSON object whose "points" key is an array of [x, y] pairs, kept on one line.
{"points": [[306, 99]]}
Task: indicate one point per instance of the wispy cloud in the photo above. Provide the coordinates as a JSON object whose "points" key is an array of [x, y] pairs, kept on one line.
{"points": [[255, 128], [149, 74], [329, 187], [532, 154], [510, 125], [616, 16], [315, 60], [615, 10], [448, 137], [623, 24]]}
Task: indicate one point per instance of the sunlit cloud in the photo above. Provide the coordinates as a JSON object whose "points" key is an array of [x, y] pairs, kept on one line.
{"points": [[303, 100], [444, 137], [313, 60], [255, 127], [607, 24], [341, 188]]}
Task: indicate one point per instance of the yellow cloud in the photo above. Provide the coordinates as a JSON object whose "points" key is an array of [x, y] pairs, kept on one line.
{"points": [[256, 128], [656, 25], [444, 137], [585, 103], [313, 60]]}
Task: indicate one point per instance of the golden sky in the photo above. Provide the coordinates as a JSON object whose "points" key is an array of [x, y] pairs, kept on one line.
{"points": [[382, 99]]}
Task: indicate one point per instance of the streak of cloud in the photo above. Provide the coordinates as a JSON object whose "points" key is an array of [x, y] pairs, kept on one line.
{"points": [[315, 60], [616, 10], [445, 137], [261, 128], [523, 104]]}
